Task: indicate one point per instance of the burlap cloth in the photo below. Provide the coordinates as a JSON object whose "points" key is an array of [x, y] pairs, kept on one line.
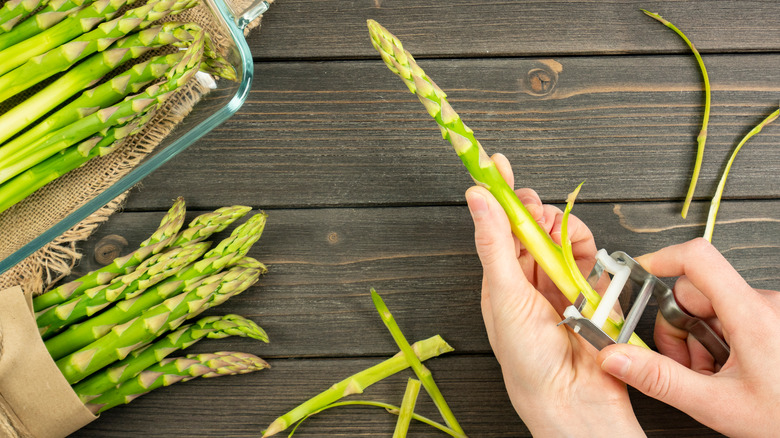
{"points": [[49, 205]]}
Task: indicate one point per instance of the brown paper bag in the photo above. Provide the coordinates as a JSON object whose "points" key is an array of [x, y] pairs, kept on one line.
{"points": [[38, 400]]}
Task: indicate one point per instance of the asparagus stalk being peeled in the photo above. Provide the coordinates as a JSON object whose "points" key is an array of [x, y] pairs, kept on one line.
{"points": [[483, 170]]}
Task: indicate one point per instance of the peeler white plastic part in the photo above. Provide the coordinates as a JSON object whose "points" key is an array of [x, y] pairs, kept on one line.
{"points": [[620, 274]]}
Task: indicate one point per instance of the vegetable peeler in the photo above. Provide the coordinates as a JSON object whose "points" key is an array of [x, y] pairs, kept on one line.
{"points": [[630, 280]]}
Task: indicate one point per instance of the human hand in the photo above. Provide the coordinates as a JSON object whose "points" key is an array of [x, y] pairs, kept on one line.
{"points": [[552, 378], [742, 398]]}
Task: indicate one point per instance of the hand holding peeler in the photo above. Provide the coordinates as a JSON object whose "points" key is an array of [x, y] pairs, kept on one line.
{"points": [[629, 279]]}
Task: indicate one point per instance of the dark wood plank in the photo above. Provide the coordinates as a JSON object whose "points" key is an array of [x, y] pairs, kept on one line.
{"points": [[349, 133], [242, 406], [295, 29], [323, 262]]}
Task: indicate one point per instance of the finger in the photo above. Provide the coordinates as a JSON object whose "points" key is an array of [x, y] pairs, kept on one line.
{"points": [[690, 298], [732, 298], [512, 297], [532, 203], [660, 377], [487, 313], [671, 341], [504, 168], [553, 217], [701, 360]]}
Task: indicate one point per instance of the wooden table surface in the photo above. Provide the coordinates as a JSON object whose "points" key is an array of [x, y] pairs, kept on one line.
{"points": [[363, 193]]}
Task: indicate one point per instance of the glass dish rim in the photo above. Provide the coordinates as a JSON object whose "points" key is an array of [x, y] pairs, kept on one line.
{"points": [[235, 25]]}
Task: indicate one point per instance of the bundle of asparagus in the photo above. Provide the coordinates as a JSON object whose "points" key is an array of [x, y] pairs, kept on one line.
{"points": [[111, 330], [68, 57]]}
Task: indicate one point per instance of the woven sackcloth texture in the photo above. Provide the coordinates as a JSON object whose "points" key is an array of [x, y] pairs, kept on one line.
{"points": [[49, 205]]}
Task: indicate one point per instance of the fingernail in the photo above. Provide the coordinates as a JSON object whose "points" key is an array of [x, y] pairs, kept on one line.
{"points": [[477, 204], [617, 364]]}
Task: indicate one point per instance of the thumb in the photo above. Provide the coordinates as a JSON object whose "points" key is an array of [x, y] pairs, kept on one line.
{"points": [[659, 377], [494, 242]]}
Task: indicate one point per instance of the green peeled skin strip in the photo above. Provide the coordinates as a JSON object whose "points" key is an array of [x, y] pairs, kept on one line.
{"points": [[358, 382], [389, 408], [213, 327], [483, 170], [715, 204], [701, 139], [174, 370], [422, 372]]}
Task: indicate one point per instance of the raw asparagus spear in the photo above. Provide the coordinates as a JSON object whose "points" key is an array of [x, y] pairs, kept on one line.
{"points": [[47, 17], [60, 34], [356, 383], [14, 11], [90, 101], [63, 57], [86, 73], [83, 334], [207, 224], [138, 332], [150, 272], [214, 327], [27, 182], [84, 128], [169, 227], [170, 371]]}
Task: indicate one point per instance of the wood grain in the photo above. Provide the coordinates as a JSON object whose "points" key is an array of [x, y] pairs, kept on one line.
{"points": [[350, 134], [313, 29]]}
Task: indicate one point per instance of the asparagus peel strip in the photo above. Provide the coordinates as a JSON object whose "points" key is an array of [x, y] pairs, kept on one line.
{"points": [[407, 408], [169, 227], [357, 383], [422, 372], [122, 339], [152, 271], [701, 139], [213, 327], [386, 406], [715, 203], [483, 170], [174, 370]]}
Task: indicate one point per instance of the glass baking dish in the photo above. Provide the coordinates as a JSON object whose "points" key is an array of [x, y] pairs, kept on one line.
{"points": [[222, 101]]}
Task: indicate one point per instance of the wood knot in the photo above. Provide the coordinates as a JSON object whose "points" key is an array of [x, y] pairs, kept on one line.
{"points": [[333, 237], [109, 248], [542, 79]]}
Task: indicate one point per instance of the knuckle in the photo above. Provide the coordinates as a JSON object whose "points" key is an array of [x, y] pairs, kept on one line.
{"points": [[657, 382]]}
